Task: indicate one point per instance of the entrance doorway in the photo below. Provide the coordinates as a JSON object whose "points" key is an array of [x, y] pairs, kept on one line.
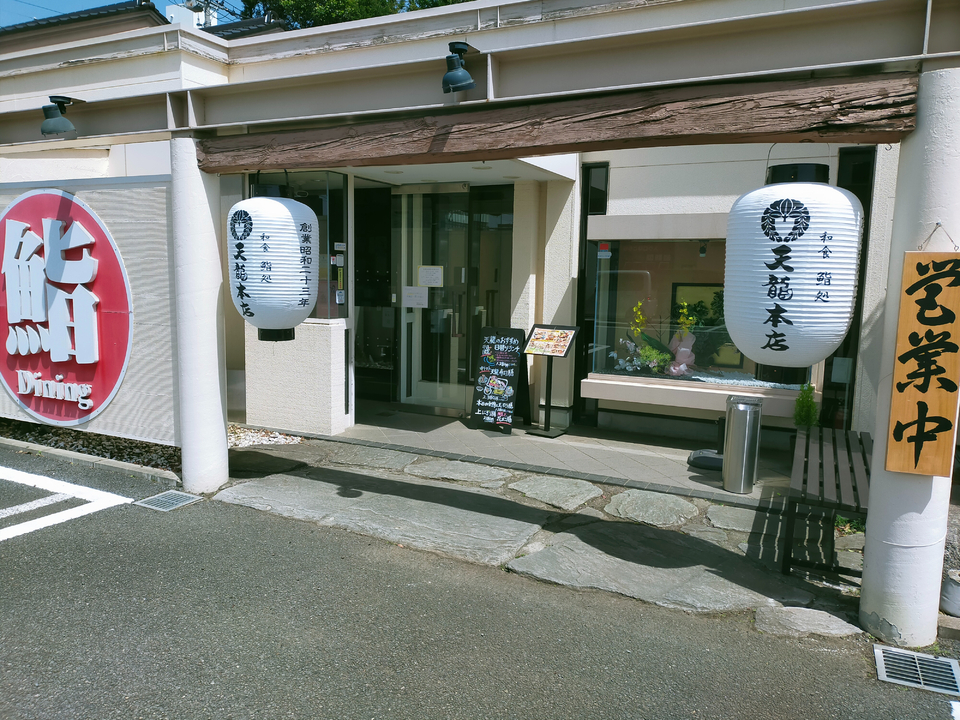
{"points": [[450, 260]]}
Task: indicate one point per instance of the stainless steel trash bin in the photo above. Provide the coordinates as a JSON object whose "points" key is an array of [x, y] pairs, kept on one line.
{"points": [[741, 443]]}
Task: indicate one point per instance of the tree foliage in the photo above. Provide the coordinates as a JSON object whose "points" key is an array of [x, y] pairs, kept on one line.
{"points": [[311, 13]]}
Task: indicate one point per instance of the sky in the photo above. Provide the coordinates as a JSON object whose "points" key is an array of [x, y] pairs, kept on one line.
{"points": [[13, 12]]}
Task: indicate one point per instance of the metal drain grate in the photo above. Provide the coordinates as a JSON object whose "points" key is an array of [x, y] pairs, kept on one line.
{"points": [[169, 500], [905, 667]]}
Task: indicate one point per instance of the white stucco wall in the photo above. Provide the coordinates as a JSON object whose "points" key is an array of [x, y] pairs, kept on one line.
{"points": [[696, 179], [561, 260], [525, 270], [298, 386]]}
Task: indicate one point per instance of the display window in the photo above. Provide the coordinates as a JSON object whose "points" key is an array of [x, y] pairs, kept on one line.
{"points": [[659, 313]]}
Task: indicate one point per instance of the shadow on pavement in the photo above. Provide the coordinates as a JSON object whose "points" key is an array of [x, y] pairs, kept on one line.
{"points": [[642, 545], [249, 464]]}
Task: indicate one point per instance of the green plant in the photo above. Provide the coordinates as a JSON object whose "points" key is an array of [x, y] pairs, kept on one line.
{"points": [[805, 411], [849, 526], [653, 358], [641, 358]]}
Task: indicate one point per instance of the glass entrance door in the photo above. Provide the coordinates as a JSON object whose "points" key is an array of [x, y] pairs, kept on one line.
{"points": [[434, 261], [453, 252]]}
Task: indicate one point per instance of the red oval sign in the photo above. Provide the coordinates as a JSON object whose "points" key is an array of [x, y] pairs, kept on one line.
{"points": [[66, 314]]}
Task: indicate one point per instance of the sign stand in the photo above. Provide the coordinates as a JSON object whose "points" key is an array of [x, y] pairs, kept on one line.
{"points": [[550, 341]]}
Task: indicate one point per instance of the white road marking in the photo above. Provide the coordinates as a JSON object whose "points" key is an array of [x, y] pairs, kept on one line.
{"points": [[96, 500], [33, 505], [956, 709]]}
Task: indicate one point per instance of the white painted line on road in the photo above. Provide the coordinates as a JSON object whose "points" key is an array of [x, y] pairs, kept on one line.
{"points": [[96, 500], [33, 505]]}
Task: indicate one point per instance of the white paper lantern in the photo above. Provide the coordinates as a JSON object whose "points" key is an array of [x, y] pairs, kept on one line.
{"points": [[274, 260], [791, 272]]}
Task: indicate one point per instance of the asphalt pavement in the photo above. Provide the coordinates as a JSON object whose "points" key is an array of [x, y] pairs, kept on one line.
{"points": [[218, 610]]}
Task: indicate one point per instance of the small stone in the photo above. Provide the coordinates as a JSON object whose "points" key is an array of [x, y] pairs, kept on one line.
{"points": [[534, 547], [744, 520], [652, 508], [713, 535], [801, 622], [565, 493], [849, 542], [850, 560]]}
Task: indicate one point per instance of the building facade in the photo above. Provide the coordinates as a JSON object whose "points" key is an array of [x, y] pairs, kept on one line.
{"points": [[590, 168]]}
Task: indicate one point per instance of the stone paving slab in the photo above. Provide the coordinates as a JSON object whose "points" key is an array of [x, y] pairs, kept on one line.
{"points": [[564, 493], [467, 523], [662, 567], [655, 565], [651, 508], [751, 521], [456, 470], [371, 457], [801, 622]]}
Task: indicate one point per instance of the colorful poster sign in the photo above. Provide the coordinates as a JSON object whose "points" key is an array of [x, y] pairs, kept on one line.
{"points": [[66, 311], [551, 340], [923, 411]]}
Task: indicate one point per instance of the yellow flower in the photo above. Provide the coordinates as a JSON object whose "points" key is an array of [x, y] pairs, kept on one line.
{"points": [[639, 321]]}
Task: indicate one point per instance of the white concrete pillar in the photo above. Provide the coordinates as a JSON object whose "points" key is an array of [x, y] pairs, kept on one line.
{"points": [[561, 265], [526, 254], [907, 520], [202, 421]]}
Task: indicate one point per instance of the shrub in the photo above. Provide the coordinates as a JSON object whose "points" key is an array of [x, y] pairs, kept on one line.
{"points": [[805, 412]]}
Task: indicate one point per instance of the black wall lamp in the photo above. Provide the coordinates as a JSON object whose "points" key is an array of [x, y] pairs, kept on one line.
{"points": [[54, 123], [457, 78]]}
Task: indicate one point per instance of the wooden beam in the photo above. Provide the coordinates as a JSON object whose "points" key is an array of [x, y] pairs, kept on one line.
{"points": [[872, 109]]}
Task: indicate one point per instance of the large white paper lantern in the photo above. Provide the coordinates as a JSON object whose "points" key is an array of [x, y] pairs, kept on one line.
{"points": [[274, 259], [791, 272]]}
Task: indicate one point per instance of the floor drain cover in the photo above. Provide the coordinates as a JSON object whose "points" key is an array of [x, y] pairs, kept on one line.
{"points": [[169, 500], [905, 667]]}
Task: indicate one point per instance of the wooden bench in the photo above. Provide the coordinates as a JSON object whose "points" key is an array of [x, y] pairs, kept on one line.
{"points": [[831, 470]]}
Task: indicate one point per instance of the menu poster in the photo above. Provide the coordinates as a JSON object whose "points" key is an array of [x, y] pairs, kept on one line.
{"points": [[551, 340], [500, 367]]}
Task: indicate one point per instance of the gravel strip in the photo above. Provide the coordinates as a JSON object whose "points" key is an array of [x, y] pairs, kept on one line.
{"points": [[152, 455]]}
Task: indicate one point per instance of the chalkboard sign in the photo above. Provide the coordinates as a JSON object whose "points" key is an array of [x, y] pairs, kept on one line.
{"points": [[501, 373]]}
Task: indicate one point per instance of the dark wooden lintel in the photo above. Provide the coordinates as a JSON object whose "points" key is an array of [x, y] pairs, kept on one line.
{"points": [[871, 109]]}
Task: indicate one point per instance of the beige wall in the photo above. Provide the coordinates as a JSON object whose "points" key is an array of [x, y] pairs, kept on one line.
{"points": [[298, 385]]}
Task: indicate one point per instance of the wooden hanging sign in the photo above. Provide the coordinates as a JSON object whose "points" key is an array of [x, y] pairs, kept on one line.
{"points": [[923, 411]]}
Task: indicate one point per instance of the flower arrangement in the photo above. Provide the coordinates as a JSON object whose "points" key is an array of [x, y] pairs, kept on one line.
{"points": [[641, 353]]}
